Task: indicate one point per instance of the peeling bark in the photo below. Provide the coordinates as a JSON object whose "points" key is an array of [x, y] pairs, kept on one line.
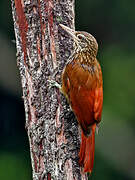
{"points": [[42, 51]]}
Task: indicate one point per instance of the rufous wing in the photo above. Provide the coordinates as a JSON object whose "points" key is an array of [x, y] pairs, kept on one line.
{"points": [[83, 89], [98, 104]]}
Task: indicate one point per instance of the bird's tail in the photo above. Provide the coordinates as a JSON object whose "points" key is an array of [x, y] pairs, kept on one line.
{"points": [[87, 149]]}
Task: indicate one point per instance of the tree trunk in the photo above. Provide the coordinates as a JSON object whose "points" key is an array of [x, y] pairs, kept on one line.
{"points": [[42, 51]]}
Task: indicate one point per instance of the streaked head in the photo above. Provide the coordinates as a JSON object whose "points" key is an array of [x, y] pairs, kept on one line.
{"points": [[83, 41]]}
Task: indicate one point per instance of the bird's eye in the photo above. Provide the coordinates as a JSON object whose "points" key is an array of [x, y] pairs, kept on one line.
{"points": [[79, 36]]}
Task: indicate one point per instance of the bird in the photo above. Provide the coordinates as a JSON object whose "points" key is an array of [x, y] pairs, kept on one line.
{"points": [[82, 85]]}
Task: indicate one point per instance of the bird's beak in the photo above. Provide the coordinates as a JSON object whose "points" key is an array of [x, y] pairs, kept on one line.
{"points": [[71, 32]]}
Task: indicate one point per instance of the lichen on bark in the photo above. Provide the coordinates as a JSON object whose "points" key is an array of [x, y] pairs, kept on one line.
{"points": [[42, 51]]}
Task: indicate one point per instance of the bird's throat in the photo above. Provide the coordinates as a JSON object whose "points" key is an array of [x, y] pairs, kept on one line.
{"points": [[85, 58]]}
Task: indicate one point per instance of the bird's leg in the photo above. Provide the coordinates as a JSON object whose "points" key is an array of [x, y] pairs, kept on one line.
{"points": [[54, 84]]}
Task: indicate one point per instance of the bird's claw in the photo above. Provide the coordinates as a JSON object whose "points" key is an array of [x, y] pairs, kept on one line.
{"points": [[53, 83]]}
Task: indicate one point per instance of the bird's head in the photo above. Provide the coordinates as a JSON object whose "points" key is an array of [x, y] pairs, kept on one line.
{"points": [[83, 41]]}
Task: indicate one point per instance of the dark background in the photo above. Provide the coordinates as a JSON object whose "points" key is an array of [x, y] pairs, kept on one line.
{"points": [[113, 24]]}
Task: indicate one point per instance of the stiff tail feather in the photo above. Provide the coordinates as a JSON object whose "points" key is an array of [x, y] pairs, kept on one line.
{"points": [[87, 149]]}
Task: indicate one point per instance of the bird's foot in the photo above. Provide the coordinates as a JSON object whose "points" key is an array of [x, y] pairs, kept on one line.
{"points": [[53, 83]]}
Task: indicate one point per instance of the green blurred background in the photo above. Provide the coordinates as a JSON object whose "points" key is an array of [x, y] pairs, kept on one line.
{"points": [[113, 24]]}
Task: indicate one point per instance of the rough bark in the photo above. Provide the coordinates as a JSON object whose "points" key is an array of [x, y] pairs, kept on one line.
{"points": [[42, 51]]}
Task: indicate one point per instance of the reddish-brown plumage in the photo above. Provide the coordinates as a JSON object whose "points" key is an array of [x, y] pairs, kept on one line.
{"points": [[82, 85]]}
